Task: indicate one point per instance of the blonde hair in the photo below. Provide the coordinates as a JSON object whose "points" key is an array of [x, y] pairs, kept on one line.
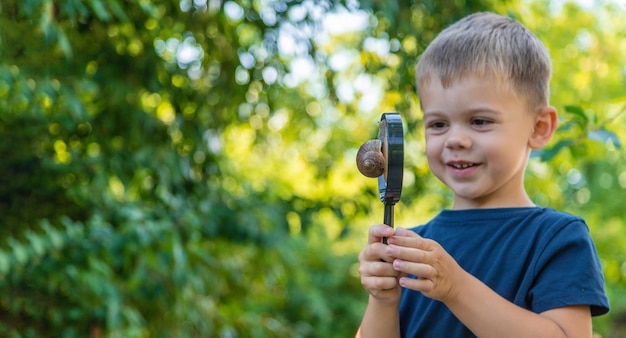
{"points": [[493, 46]]}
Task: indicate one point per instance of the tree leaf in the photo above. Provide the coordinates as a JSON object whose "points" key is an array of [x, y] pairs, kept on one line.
{"points": [[579, 114], [548, 154], [605, 136]]}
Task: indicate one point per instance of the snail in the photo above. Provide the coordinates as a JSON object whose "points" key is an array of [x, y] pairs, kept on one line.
{"points": [[370, 159], [384, 158]]}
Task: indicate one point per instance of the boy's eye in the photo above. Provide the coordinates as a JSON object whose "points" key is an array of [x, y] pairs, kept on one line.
{"points": [[480, 122], [437, 125]]}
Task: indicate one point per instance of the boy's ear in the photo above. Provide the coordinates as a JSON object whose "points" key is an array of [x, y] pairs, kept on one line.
{"points": [[546, 122]]}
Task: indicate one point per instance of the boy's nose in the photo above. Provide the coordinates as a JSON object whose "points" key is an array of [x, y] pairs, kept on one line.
{"points": [[458, 140]]}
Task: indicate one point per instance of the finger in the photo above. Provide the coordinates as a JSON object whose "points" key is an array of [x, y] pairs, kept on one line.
{"points": [[378, 276], [400, 231], [422, 270], [375, 252], [417, 284], [373, 284], [407, 253], [377, 232], [413, 241], [378, 269]]}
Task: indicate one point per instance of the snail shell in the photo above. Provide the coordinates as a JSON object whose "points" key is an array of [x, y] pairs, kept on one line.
{"points": [[370, 159]]}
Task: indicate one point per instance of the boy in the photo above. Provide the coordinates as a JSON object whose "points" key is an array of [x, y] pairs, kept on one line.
{"points": [[495, 265]]}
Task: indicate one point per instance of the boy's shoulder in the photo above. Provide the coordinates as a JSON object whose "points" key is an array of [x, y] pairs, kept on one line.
{"points": [[497, 213], [533, 218]]}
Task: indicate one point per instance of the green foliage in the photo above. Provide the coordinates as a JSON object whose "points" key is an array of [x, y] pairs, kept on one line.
{"points": [[167, 170], [585, 163], [121, 211], [578, 133], [150, 276]]}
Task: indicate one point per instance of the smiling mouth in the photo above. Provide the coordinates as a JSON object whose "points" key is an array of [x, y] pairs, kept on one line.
{"points": [[461, 165]]}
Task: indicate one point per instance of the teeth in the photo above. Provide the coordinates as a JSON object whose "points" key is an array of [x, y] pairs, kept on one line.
{"points": [[462, 166]]}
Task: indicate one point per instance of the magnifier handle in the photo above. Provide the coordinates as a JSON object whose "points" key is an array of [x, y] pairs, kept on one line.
{"points": [[388, 218]]}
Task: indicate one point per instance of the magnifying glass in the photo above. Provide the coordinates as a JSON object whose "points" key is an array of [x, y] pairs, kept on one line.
{"points": [[384, 158]]}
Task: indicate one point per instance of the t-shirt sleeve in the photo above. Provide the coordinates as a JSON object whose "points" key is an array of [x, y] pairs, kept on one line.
{"points": [[568, 271]]}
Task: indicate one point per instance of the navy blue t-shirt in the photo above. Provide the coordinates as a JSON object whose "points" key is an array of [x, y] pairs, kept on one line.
{"points": [[537, 258]]}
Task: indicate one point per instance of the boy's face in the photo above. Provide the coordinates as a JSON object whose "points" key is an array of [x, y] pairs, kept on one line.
{"points": [[477, 141]]}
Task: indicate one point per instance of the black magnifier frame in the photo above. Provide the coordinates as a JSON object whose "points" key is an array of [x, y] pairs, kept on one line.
{"points": [[391, 135]]}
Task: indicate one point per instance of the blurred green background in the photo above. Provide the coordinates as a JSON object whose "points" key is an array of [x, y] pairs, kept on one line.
{"points": [[185, 168]]}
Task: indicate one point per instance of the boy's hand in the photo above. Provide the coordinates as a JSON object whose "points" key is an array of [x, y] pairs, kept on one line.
{"points": [[378, 275], [439, 274]]}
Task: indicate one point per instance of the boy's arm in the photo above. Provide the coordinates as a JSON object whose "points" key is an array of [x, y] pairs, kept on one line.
{"points": [[488, 314], [380, 320], [481, 309], [379, 278]]}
